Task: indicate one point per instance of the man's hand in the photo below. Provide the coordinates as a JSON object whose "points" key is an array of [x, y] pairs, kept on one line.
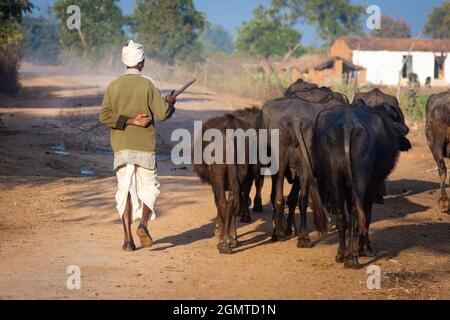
{"points": [[141, 120], [171, 99]]}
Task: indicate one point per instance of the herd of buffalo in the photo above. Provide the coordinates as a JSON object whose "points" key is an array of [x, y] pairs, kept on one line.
{"points": [[335, 155]]}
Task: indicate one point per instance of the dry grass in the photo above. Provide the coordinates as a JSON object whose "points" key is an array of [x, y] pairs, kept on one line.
{"points": [[404, 284]]}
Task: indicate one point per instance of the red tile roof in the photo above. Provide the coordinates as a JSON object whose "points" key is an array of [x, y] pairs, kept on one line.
{"points": [[396, 44]]}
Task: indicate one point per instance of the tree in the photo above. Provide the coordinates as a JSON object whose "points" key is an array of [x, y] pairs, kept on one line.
{"points": [[438, 24], [216, 38], [11, 12], [169, 29], [392, 28], [101, 28], [266, 36], [334, 18], [41, 43]]}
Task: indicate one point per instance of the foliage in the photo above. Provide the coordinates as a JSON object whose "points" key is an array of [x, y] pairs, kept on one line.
{"points": [[101, 28], [438, 24], [41, 43], [415, 103], [169, 29], [392, 28], [266, 36], [334, 18], [11, 12], [217, 38]]}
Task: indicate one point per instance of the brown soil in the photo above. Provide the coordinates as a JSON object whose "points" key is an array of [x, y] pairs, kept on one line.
{"points": [[52, 217]]}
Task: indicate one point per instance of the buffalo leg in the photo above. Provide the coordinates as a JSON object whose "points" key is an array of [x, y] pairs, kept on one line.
{"points": [[218, 186], [292, 204], [259, 182], [229, 239], [233, 231], [337, 202], [437, 148], [351, 255], [351, 258], [303, 238], [273, 191], [245, 202], [278, 232], [365, 249], [443, 200]]}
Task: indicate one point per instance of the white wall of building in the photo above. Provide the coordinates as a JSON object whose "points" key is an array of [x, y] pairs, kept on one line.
{"points": [[383, 66], [447, 69]]}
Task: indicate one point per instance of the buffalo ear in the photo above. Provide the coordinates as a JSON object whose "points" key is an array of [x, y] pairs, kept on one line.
{"points": [[401, 128], [393, 113]]}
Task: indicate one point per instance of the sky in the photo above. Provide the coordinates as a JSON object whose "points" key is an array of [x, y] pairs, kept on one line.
{"points": [[232, 13]]}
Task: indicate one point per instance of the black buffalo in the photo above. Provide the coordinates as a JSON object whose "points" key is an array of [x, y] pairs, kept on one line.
{"points": [[375, 98], [235, 178], [286, 115], [354, 149], [437, 129], [313, 93], [299, 86]]}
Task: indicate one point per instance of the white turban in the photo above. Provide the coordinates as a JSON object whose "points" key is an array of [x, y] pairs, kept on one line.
{"points": [[133, 53]]}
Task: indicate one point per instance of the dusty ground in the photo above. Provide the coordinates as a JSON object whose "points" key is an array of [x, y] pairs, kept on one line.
{"points": [[51, 217]]}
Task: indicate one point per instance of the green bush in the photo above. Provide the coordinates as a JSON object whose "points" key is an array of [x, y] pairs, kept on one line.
{"points": [[414, 104]]}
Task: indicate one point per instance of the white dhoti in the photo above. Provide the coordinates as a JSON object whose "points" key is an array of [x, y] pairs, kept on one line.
{"points": [[142, 185]]}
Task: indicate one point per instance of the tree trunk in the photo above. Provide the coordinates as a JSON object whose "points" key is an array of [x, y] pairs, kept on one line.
{"points": [[267, 67]]}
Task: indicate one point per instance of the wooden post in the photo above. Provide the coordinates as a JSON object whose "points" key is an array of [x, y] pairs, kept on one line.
{"points": [[404, 63]]}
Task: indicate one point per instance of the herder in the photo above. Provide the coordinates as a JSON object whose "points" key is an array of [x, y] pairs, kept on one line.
{"points": [[131, 104]]}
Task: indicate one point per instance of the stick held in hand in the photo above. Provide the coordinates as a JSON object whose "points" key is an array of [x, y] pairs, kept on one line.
{"points": [[184, 88]]}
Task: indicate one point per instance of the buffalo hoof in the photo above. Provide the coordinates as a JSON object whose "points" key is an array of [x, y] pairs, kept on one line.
{"points": [[340, 258], [288, 232], [225, 248], [304, 242], [278, 237], [246, 218], [351, 263], [258, 207], [444, 205], [234, 243], [366, 252]]}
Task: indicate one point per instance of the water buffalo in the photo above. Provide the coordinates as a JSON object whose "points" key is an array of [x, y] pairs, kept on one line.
{"points": [[375, 98], [305, 93], [285, 115], [354, 149], [437, 129], [299, 86], [315, 94], [235, 178]]}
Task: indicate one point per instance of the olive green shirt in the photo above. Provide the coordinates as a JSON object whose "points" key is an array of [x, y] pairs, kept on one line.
{"points": [[124, 98]]}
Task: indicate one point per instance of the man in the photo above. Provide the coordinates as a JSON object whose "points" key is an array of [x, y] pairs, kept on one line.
{"points": [[130, 106]]}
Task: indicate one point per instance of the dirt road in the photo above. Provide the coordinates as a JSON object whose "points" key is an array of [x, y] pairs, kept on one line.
{"points": [[52, 217]]}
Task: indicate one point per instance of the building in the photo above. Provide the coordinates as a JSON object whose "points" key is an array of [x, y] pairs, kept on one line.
{"points": [[324, 70], [385, 58]]}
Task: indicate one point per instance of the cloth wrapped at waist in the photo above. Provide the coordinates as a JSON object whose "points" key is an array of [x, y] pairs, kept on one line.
{"points": [[142, 185]]}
